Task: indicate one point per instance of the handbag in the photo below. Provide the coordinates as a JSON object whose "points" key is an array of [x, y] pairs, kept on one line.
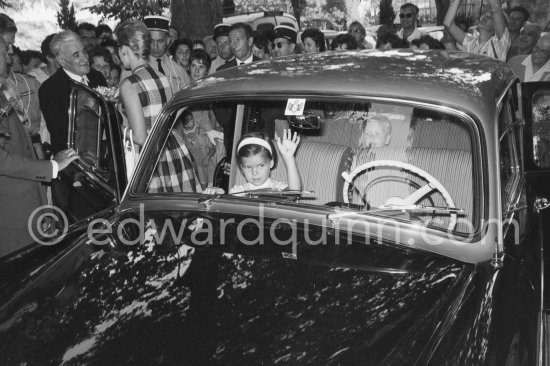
{"points": [[130, 153]]}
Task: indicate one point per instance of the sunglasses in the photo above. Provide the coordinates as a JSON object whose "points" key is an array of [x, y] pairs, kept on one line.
{"points": [[280, 44], [406, 15]]}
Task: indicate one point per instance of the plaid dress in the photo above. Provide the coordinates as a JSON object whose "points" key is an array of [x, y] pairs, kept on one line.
{"points": [[176, 170], [153, 89]]}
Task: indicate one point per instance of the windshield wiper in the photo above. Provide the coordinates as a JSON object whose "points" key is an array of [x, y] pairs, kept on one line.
{"points": [[285, 194], [441, 210], [423, 209]]}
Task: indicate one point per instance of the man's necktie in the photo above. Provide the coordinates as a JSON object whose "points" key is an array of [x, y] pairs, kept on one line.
{"points": [[84, 80], [159, 61], [242, 63]]}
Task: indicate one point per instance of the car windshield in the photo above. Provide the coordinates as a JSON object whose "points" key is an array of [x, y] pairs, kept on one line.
{"points": [[410, 162]]}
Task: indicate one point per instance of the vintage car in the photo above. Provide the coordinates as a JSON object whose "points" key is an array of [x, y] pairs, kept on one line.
{"points": [[423, 248]]}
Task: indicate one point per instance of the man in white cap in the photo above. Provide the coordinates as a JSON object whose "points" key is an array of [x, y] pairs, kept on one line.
{"points": [[284, 42], [221, 37], [159, 41]]}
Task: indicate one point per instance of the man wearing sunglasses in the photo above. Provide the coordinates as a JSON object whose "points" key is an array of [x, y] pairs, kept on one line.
{"points": [[409, 15], [491, 37], [284, 42], [536, 66]]}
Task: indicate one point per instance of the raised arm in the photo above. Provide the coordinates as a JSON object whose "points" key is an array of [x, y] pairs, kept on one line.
{"points": [[287, 147], [498, 18], [449, 22]]}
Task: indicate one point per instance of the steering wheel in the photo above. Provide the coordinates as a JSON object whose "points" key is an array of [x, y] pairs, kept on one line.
{"points": [[221, 179], [433, 184]]}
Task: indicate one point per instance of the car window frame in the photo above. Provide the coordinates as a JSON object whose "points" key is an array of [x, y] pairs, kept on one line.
{"points": [[110, 125], [138, 190]]}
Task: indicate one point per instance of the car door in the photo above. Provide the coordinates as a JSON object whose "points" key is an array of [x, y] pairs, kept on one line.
{"points": [[535, 110], [97, 180]]}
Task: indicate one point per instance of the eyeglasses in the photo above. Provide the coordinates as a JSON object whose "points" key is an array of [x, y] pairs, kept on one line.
{"points": [[537, 49], [406, 15], [280, 44]]}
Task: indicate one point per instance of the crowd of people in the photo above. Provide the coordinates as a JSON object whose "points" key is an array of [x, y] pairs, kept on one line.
{"points": [[148, 62]]}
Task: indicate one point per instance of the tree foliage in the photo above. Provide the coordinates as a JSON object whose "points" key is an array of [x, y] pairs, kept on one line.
{"points": [[318, 14], [297, 8], [228, 7], [352, 10], [6, 4], [386, 14], [195, 19], [65, 16], [130, 9], [441, 6]]}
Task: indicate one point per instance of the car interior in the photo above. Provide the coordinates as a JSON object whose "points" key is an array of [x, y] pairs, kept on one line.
{"points": [[330, 149]]}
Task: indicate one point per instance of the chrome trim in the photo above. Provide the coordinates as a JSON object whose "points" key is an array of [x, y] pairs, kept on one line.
{"points": [[72, 118], [87, 169], [504, 92], [236, 137], [541, 204]]}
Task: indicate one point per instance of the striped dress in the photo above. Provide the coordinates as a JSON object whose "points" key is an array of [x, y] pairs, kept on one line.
{"points": [[153, 89]]}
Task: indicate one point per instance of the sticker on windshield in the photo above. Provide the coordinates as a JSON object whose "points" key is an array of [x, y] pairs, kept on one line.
{"points": [[295, 107]]}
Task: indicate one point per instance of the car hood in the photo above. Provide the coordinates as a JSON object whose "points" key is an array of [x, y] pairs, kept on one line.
{"points": [[188, 305]]}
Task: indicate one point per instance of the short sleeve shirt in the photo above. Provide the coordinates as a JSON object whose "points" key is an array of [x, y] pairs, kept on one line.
{"points": [[494, 47]]}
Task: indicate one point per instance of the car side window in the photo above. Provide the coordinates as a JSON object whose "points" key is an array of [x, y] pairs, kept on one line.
{"points": [[509, 155], [89, 137], [541, 128], [188, 160]]}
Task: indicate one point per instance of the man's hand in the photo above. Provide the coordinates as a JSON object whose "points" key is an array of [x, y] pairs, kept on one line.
{"points": [[65, 157], [289, 143]]}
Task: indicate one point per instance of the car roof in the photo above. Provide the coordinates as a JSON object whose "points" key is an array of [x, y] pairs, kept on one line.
{"points": [[467, 81], [262, 17]]}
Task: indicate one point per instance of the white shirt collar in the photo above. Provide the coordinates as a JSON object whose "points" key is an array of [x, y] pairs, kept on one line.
{"points": [[247, 61], [73, 76], [537, 76], [414, 35]]}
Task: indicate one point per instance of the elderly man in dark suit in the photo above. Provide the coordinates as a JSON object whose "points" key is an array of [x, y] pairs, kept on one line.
{"points": [[21, 173], [53, 95], [536, 66], [240, 40], [54, 92]]}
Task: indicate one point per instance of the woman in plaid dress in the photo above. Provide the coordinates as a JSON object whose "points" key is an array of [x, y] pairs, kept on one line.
{"points": [[145, 91]]}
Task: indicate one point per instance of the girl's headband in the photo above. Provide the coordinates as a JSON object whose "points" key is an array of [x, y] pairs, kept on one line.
{"points": [[255, 141]]}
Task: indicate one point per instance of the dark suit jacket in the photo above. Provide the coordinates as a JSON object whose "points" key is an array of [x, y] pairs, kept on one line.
{"points": [[54, 102], [233, 63], [20, 189]]}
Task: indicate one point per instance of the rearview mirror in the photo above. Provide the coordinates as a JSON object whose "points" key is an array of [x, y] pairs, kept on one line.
{"points": [[307, 121]]}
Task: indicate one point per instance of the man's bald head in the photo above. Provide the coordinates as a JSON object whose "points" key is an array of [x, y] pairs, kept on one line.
{"points": [[541, 51]]}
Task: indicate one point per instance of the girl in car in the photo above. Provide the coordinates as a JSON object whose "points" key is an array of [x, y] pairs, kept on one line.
{"points": [[256, 157]]}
